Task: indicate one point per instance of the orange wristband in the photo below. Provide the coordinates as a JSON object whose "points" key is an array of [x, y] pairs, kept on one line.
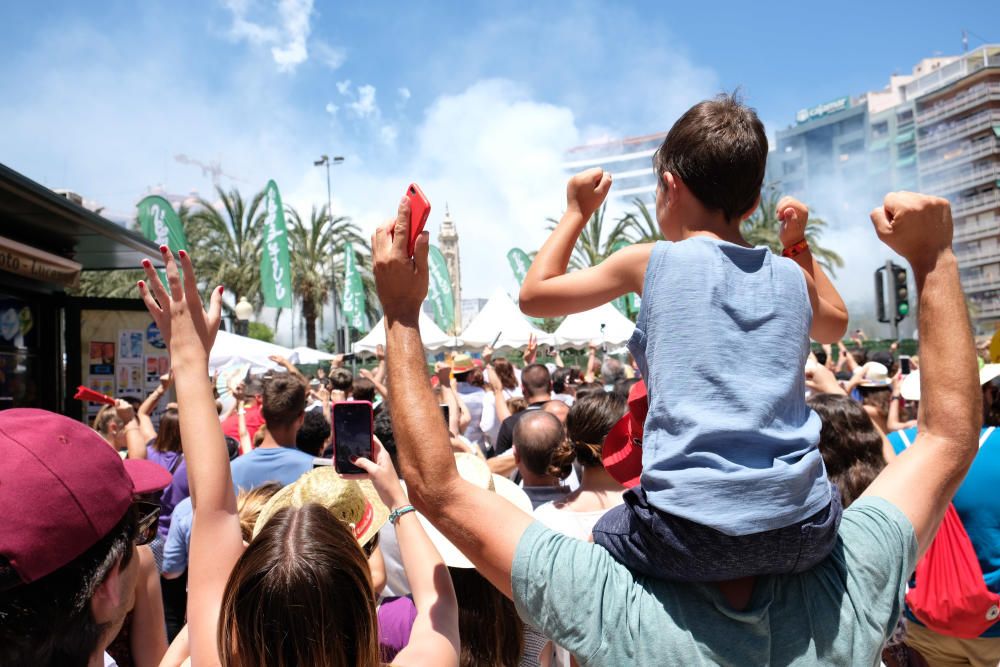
{"points": [[795, 249]]}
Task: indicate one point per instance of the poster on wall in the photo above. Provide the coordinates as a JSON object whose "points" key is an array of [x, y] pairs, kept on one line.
{"points": [[102, 357], [130, 346]]}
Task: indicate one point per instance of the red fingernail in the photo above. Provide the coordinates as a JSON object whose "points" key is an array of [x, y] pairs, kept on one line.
{"points": [[353, 459], [147, 263], [164, 249], [141, 285], [221, 289], [182, 253]]}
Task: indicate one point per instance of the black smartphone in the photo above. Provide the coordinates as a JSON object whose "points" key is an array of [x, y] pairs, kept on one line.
{"points": [[353, 426], [447, 414], [348, 356], [904, 365]]}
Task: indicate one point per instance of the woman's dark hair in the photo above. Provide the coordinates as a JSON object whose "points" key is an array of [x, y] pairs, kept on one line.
{"points": [[168, 435], [505, 371], [492, 633], [850, 444], [877, 397], [303, 559], [313, 433], [474, 377], [589, 389], [49, 621], [991, 410], [587, 424]]}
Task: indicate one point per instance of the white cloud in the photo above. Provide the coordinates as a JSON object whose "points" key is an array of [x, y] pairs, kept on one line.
{"points": [[404, 94], [331, 108], [365, 106], [330, 56], [388, 135], [344, 87], [287, 41]]}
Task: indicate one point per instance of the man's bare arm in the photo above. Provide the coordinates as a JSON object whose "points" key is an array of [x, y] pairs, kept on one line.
{"points": [[922, 480]]}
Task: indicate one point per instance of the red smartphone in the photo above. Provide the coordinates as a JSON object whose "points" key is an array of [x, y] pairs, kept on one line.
{"points": [[420, 208], [353, 427]]}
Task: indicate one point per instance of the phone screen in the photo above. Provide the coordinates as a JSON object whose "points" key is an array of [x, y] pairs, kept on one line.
{"points": [[352, 435], [904, 365], [447, 414]]}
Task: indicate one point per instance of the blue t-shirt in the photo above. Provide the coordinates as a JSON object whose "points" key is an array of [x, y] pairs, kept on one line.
{"points": [[838, 613], [270, 464], [722, 340], [178, 542], [977, 505]]}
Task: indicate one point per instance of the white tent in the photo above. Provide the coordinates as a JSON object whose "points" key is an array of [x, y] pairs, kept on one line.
{"points": [[603, 324], [230, 349], [430, 333], [501, 316], [307, 355]]}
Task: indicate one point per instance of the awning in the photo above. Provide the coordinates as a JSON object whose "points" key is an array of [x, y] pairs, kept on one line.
{"points": [[35, 215]]}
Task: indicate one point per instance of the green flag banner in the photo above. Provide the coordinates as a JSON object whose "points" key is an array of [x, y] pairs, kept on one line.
{"points": [[275, 269], [439, 290], [519, 263], [352, 303], [161, 225]]}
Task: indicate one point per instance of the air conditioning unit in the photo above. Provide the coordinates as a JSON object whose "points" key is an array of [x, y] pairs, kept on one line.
{"points": [[70, 195]]}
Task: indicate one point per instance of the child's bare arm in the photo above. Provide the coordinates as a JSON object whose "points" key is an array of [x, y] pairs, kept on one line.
{"points": [[548, 291], [829, 312]]}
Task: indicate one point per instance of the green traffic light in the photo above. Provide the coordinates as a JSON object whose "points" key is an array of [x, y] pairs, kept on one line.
{"points": [[904, 308]]}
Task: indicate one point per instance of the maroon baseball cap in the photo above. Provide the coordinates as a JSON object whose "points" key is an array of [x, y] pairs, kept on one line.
{"points": [[62, 488], [622, 449]]}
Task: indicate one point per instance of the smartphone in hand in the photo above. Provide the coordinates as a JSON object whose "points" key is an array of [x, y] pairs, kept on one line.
{"points": [[420, 208], [353, 428]]}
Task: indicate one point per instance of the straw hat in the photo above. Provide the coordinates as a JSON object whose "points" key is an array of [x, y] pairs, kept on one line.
{"points": [[355, 503], [461, 363], [473, 469]]}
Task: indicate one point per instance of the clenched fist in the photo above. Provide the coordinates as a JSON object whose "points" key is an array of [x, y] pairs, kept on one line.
{"points": [[587, 190], [916, 226]]}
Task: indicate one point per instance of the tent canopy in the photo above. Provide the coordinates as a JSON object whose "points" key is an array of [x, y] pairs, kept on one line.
{"points": [[430, 333], [501, 316], [603, 324], [307, 355], [230, 349]]}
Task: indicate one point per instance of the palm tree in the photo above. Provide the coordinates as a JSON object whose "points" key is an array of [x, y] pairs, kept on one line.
{"points": [[594, 246], [226, 244], [763, 228], [316, 248], [117, 284], [643, 227]]}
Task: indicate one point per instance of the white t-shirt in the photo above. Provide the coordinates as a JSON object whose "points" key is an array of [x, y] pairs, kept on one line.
{"points": [[109, 661]]}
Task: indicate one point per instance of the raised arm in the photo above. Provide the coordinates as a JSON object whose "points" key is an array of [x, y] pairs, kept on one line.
{"points": [[548, 291], [216, 541], [146, 428], [829, 312], [454, 506], [135, 442], [923, 479], [288, 366]]}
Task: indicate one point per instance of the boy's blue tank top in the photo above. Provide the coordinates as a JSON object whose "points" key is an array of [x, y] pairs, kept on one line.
{"points": [[722, 340]]}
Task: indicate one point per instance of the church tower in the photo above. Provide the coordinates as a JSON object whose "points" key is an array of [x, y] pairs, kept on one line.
{"points": [[448, 242]]}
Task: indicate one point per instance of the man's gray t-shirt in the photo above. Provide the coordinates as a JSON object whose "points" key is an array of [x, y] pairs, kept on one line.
{"points": [[839, 613]]}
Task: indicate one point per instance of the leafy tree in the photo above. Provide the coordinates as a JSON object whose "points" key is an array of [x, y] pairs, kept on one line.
{"points": [[317, 252], [763, 228], [226, 244], [260, 331], [594, 245]]}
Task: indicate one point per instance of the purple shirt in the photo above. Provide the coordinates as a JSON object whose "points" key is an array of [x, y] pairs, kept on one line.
{"points": [[395, 621], [178, 489]]}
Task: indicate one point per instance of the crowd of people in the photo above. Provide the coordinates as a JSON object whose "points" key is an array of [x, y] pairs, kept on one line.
{"points": [[728, 494]]}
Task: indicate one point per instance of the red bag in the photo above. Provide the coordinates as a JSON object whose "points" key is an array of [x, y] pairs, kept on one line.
{"points": [[950, 596]]}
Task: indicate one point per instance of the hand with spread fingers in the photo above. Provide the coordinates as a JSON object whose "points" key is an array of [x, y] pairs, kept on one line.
{"points": [[180, 315]]}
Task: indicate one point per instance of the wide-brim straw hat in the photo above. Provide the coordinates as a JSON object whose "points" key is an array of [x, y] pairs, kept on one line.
{"points": [[355, 503], [474, 470]]}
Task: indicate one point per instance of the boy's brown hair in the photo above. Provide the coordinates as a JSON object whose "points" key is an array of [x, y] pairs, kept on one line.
{"points": [[284, 400], [719, 149]]}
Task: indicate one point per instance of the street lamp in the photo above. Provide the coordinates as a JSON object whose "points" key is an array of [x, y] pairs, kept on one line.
{"points": [[325, 161], [244, 311]]}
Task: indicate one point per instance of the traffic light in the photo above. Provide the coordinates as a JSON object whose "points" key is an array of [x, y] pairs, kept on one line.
{"points": [[880, 295], [901, 292]]}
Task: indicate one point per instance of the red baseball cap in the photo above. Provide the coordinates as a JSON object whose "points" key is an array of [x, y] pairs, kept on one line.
{"points": [[62, 488], [622, 449], [147, 477]]}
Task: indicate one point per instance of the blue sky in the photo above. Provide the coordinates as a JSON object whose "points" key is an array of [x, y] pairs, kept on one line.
{"points": [[474, 100]]}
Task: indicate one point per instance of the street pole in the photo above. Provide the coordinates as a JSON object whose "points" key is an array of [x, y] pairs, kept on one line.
{"points": [[325, 160], [893, 303]]}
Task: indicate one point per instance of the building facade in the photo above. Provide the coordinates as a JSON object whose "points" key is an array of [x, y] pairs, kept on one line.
{"points": [[630, 162], [936, 130]]}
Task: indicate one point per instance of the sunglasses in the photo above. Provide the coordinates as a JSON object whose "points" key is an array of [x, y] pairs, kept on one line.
{"points": [[147, 523]]}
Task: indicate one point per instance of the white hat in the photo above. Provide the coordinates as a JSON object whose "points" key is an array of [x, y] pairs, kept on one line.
{"points": [[875, 375], [910, 387], [473, 469]]}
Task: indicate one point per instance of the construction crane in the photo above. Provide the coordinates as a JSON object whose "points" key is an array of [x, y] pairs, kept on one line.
{"points": [[213, 168]]}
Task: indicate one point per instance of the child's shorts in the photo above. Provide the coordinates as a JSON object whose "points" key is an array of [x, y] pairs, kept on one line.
{"points": [[663, 546]]}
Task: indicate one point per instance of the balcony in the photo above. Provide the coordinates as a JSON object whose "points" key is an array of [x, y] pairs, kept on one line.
{"points": [[961, 102], [981, 284], [981, 202], [954, 182], [965, 153], [988, 310], [973, 230], [976, 123], [978, 257]]}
